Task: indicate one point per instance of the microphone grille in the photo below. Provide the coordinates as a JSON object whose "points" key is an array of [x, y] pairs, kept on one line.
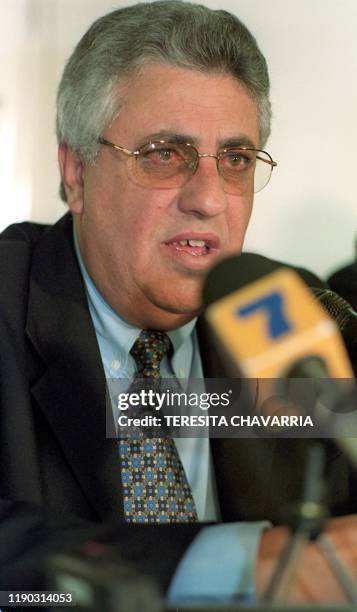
{"points": [[337, 307]]}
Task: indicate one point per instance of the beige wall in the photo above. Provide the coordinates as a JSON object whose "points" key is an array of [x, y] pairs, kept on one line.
{"points": [[308, 213]]}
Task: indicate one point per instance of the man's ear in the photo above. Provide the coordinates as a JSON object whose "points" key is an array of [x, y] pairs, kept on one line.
{"points": [[72, 176]]}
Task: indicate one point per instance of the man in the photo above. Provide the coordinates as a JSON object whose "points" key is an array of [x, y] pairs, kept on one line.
{"points": [[163, 112]]}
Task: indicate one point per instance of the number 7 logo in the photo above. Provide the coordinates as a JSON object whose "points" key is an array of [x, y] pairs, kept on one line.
{"points": [[272, 306]]}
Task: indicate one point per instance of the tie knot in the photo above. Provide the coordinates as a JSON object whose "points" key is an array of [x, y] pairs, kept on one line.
{"points": [[148, 350]]}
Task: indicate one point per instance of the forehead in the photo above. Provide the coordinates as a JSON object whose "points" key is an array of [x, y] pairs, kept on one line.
{"points": [[209, 108]]}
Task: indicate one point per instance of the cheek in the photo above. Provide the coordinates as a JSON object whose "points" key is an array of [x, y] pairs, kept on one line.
{"points": [[238, 220], [137, 236], [143, 219]]}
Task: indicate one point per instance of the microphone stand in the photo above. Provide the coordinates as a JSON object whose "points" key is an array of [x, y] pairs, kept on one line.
{"points": [[306, 523]]}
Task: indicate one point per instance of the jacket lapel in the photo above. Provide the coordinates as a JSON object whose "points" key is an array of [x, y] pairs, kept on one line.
{"points": [[71, 389]]}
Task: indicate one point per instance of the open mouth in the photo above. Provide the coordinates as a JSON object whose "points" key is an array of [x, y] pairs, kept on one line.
{"points": [[195, 246]]}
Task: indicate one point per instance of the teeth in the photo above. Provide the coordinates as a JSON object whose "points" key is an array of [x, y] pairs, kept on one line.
{"points": [[196, 243], [192, 243]]}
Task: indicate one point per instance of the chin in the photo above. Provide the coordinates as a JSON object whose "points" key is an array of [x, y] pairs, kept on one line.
{"points": [[165, 316], [176, 295], [181, 307], [187, 301]]}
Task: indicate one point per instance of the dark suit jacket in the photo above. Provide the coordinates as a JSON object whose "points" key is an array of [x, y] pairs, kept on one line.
{"points": [[60, 477], [344, 282]]}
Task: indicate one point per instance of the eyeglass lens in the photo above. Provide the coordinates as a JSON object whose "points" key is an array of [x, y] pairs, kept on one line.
{"points": [[169, 166]]}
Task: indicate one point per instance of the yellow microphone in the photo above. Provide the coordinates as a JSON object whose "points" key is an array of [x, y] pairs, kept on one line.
{"points": [[268, 322], [269, 325]]}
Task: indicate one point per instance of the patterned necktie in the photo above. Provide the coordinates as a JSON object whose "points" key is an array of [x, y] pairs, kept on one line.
{"points": [[155, 486]]}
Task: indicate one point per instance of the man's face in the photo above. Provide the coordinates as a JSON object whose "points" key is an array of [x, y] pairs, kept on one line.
{"points": [[130, 235]]}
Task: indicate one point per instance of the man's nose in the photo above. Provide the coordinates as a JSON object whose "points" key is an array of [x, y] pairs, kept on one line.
{"points": [[203, 193]]}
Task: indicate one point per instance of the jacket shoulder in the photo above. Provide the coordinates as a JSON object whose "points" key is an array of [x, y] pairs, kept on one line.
{"points": [[26, 232], [17, 243]]}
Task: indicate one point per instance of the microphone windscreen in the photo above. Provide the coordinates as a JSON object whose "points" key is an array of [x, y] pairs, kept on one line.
{"points": [[345, 318], [236, 272]]}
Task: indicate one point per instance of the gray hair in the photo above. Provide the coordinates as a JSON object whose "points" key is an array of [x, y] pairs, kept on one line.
{"points": [[174, 32]]}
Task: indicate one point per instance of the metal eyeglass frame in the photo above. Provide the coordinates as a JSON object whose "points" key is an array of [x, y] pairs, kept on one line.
{"points": [[218, 156]]}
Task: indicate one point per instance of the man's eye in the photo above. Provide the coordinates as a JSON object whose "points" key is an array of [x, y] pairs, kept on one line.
{"points": [[237, 161], [163, 156]]}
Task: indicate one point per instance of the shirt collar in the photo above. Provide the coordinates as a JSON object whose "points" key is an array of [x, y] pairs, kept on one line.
{"points": [[119, 335]]}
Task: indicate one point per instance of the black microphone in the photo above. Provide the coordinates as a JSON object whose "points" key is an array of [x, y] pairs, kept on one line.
{"points": [[237, 271], [344, 316]]}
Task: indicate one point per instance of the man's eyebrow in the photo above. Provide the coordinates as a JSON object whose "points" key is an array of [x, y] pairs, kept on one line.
{"points": [[179, 138], [167, 135], [237, 141]]}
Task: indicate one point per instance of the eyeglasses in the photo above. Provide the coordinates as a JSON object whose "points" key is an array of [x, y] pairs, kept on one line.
{"points": [[168, 165]]}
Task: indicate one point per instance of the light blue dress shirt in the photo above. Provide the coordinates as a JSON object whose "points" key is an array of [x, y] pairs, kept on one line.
{"points": [[198, 576]]}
